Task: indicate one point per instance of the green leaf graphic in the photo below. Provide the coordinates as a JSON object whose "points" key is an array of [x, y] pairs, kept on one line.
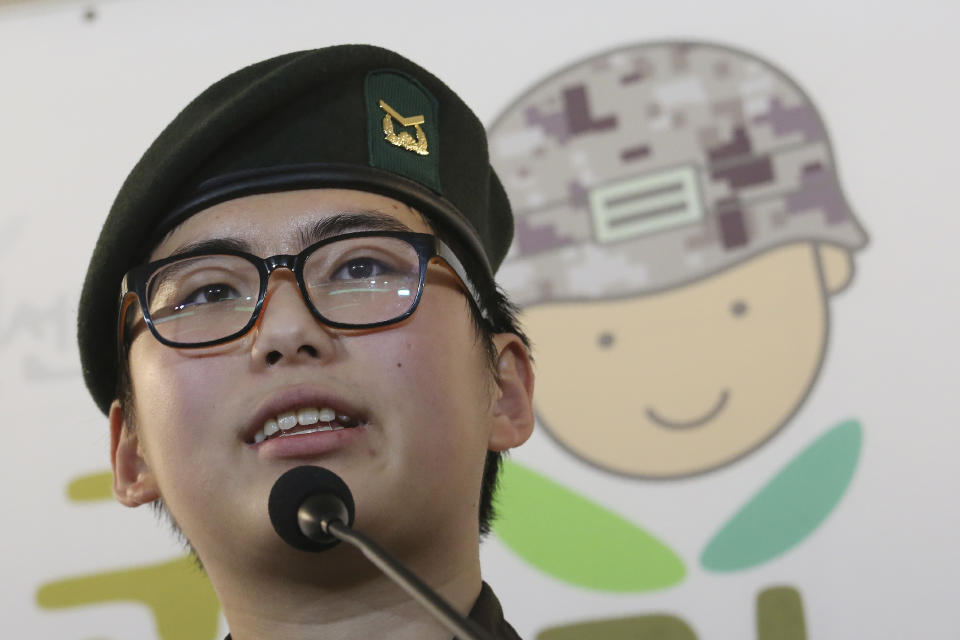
{"points": [[577, 541], [791, 506]]}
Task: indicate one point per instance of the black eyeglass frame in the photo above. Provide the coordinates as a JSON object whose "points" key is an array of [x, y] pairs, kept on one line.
{"points": [[428, 247]]}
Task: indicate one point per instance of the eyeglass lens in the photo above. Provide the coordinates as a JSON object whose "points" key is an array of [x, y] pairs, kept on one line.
{"points": [[355, 281]]}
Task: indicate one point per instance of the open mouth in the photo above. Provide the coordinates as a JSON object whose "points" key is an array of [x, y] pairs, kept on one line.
{"points": [[304, 421], [696, 422]]}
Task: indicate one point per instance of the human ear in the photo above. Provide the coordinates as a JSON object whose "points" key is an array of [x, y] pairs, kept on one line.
{"points": [[513, 406], [836, 267], [133, 482]]}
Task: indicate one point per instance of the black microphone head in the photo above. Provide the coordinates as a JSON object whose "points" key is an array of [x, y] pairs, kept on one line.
{"points": [[293, 489]]}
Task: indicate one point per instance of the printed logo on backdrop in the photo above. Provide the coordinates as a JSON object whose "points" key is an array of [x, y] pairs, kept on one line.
{"points": [[36, 322], [180, 598], [681, 232], [37, 340], [680, 217]]}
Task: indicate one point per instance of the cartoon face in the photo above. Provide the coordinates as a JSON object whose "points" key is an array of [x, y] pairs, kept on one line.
{"points": [[684, 381]]}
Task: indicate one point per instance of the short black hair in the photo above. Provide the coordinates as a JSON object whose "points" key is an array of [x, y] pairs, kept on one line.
{"points": [[498, 315]]}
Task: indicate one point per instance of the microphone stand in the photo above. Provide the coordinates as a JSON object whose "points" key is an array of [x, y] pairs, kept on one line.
{"points": [[463, 628]]}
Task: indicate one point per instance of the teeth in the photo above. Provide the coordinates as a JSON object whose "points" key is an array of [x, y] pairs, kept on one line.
{"points": [[270, 427], [310, 416], [327, 417], [287, 420]]}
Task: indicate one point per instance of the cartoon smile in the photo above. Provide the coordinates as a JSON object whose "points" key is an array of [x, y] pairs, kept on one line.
{"points": [[696, 422]]}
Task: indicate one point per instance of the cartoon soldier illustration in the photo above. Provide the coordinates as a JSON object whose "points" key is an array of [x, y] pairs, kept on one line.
{"points": [[680, 232]]}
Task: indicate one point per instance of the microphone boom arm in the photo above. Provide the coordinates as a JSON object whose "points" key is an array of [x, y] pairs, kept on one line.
{"points": [[464, 628], [311, 509]]}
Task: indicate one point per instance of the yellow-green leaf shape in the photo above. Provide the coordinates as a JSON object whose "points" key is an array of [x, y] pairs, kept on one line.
{"points": [[92, 487], [577, 541], [791, 506], [657, 626], [178, 594]]}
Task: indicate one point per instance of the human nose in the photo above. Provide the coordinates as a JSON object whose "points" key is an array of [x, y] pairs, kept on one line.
{"points": [[286, 331]]}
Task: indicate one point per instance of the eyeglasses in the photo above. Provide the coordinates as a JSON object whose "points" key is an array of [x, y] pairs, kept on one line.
{"points": [[351, 281]]}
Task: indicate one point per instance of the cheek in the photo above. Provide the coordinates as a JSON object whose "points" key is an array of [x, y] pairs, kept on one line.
{"points": [[175, 396], [776, 353], [433, 374]]}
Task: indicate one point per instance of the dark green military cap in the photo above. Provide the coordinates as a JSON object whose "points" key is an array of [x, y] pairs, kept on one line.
{"points": [[350, 116]]}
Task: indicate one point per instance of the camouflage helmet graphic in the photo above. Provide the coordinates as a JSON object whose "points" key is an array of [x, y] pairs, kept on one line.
{"points": [[653, 165]]}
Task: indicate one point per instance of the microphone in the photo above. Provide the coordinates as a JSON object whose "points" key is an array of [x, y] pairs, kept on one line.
{"points": [[304, 501], [312, 509]]}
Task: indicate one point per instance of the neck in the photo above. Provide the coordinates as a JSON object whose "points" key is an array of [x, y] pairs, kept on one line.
{"points": [[338, 594]]}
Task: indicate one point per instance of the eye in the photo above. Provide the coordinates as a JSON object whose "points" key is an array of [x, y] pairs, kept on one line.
{"points": [[605, 340], [211, 293], [360, 269], [738, 308]]}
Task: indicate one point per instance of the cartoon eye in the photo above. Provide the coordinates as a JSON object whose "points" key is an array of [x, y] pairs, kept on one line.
{"points": [[605, 340], [738, 308]]}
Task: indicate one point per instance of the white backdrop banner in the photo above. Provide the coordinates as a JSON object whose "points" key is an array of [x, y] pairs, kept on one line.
{"points": [[735, 255]]}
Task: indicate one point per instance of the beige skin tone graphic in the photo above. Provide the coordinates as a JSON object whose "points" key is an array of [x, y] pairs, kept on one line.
{"points": [[687, 380]]}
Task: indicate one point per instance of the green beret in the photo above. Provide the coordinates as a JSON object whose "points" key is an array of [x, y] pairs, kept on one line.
{"points": [[351, 116]]}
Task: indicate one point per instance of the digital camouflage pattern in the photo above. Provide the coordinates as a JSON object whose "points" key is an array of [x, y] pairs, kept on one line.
{"points": [[653, 165]]}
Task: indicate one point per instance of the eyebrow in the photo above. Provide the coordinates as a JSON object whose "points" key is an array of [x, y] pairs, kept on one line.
{"points": [[347, 222], [321, 230], [214, 245]]}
